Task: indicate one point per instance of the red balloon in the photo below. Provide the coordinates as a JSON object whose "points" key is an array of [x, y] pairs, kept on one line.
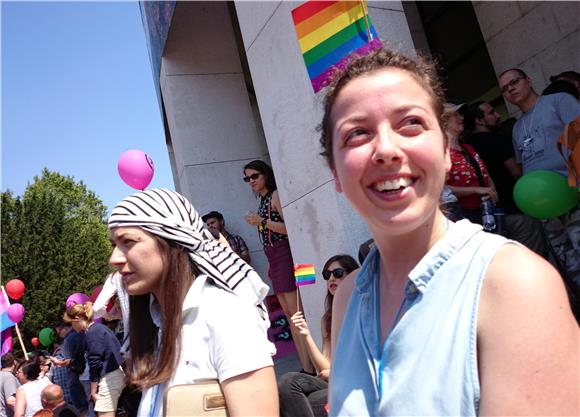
{"points": [[15, 288], [35, 341]]}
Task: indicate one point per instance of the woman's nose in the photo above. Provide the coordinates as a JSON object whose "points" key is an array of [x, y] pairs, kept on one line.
{"points": [[386, 147], [117, 257]]}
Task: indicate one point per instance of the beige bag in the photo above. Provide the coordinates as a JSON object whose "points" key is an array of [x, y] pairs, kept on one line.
{"points": [[204, 398]]}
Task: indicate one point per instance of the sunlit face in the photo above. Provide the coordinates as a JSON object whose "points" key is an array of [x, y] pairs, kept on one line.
{"points": [[137, 256], [333, 282], [389, 152], [515, 87], [257, 180]]}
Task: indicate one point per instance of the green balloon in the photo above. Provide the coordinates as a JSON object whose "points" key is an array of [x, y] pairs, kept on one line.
{"points": [[46, 336], [544, 194]]}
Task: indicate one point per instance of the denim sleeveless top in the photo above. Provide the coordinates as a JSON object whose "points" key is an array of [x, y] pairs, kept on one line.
{"points": [[428, 364]]}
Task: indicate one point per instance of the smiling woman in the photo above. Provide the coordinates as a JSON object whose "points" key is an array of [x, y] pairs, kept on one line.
{"points": [[426, 326]]}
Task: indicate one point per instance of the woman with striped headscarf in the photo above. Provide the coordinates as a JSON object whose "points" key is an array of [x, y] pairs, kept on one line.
{"points": [[196, 309]]}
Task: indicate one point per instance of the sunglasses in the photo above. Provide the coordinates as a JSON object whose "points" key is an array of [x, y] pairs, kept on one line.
{"points": [[336, 273], [252, 177]]}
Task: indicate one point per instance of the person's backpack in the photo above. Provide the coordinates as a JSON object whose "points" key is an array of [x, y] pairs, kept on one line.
{"points": [[570, 140]]}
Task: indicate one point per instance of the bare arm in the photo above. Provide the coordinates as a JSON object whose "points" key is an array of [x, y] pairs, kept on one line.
{"points": [[318, 359], [513, 167], [11, 401], [20, 406], [463, 191], [254, 393], [528, 339], [278, 227]]}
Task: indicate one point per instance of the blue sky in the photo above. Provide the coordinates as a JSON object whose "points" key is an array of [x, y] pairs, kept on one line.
{"points": [[77, 91]]}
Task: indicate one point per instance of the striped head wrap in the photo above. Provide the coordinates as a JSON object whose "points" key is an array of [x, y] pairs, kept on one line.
{"points": [[171, 216]]}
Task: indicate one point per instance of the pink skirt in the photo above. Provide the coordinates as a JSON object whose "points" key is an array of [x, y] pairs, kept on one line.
{"points": [[281, 266]]}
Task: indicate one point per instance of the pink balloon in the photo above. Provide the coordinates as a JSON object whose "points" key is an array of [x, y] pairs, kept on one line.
{"points": [[136, 169], [76, 298], [16, 312]]}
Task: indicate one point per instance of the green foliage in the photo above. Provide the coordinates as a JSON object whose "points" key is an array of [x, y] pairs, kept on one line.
{"points": [[55, 239]]}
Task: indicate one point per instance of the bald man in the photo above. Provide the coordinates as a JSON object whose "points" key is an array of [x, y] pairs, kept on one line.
{"points": [[52, 398]]}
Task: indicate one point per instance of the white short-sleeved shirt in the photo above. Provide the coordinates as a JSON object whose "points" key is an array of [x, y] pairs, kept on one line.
{"points": [[222, 336]]}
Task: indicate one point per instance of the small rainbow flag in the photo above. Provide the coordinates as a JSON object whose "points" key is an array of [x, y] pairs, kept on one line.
{"points": [[328, 32], [304, 274]]}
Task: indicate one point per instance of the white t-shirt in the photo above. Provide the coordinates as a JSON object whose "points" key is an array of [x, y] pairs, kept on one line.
{"points": [[222, 336], [32, 389]]}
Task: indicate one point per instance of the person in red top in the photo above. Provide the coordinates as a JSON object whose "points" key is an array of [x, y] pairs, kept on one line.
{"points": [[468, 178]]}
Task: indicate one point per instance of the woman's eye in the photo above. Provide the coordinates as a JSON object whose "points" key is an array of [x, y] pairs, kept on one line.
{"points": [[412, 126], [355, 133]]}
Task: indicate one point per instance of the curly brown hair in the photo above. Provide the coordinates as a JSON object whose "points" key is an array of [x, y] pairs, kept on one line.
{"points": [[421, 68]]}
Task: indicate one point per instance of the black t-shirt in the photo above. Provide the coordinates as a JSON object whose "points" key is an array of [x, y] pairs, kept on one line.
{"points": [[495, 149]]}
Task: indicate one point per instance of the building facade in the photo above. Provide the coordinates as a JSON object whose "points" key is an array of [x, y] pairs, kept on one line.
{"points": [[233, 87]]}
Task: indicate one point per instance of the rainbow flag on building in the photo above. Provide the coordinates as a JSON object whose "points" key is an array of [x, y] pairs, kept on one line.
{"points": [[304, 274], [328, 32]]}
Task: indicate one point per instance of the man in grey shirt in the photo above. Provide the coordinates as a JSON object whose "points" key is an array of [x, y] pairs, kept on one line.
{"points": [[534, 138], [8, 386]]}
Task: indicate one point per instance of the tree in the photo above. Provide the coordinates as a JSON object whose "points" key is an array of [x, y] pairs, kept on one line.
{"points": [[55, 239]]}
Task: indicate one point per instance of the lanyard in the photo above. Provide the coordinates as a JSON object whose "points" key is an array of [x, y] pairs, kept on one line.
{"points": [[154, 396], [388, 338]]}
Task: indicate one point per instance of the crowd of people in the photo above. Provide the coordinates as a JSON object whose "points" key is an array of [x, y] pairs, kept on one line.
{"points": [[441, 318]]}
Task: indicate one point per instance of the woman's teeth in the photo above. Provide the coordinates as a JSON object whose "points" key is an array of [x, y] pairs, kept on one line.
{"points": [[391, 185]]}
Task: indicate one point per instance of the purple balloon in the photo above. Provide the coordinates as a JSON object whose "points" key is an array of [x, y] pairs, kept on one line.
{"points": [[76, 298], [16, 312], [135, 168]]}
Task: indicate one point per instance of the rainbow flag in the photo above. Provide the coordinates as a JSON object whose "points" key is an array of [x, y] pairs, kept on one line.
{"points": [[5, 324], [6, 340], [328, 32], [304, 274]]}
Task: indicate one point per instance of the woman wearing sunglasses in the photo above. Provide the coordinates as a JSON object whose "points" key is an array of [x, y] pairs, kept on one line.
{"points": [[272, 231], [303, 395]]}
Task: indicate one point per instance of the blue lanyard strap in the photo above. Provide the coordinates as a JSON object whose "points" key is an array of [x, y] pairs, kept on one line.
{"points": [[154, 395], [384, 350]]}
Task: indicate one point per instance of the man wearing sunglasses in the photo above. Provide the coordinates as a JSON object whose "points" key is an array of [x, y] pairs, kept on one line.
{"points": [[534, 137]]}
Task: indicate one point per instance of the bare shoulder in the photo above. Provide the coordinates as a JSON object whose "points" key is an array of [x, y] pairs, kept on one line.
{"points": [[276, 201], [525, 283], [527, 338]]}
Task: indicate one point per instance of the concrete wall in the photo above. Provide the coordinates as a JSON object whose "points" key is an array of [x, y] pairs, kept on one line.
{"points": [[320, 222], [542, 38], [209, 116]]}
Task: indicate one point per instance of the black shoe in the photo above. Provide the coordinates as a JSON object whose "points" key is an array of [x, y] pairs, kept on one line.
{"points": [[283, 336]]}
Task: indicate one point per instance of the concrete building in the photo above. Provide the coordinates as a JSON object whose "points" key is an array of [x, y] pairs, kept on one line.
{"points": [[233, 87]]}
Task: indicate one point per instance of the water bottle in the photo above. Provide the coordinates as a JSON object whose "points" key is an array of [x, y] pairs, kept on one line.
{"points": [[499, 215], [487, 219]]}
